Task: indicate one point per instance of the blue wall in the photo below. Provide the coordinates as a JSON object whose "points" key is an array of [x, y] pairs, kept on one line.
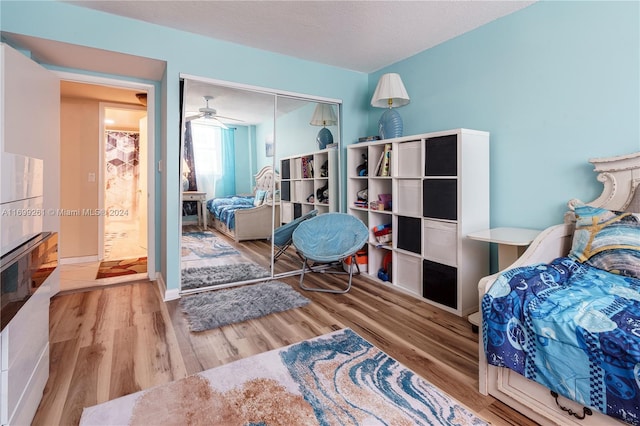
{"points": [[556, 83], [183, 53]]}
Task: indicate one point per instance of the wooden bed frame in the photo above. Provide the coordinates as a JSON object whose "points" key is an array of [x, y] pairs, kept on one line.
{"points": [[255, 223], [621, 179]]}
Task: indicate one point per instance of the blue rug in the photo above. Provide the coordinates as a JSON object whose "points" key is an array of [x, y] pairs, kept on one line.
{"points": [[335, 379], [204, 245]]}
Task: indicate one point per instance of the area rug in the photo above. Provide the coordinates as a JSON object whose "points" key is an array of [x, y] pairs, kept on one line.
{"points": [[204, 245], [214, 309], [335, 379], [205, 276], [116, 268]]}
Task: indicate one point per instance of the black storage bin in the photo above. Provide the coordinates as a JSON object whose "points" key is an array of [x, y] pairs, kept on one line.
{"points": [[441, 156], [297, 210], [285, 173], [439, 283], [285, 191], [440, 198], [409, 234]]}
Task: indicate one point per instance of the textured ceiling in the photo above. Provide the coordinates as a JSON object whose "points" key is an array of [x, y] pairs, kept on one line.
{"points": [[358, 35]]}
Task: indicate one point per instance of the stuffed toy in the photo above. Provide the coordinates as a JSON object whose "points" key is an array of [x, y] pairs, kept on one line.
{"points": [[362, 168]]}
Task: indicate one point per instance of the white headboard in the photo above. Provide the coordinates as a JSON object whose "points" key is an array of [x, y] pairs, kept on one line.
{"points": [[265, 177], [621, 179]]}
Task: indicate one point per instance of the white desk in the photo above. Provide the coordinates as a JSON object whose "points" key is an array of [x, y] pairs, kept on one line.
{"points": [[512, 242], [202, 207]]}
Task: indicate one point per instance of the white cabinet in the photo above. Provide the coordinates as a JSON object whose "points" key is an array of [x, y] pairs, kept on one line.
{"points": [[438, 186], [308, 182], [29, 119], [28, 275], [25, 358]]}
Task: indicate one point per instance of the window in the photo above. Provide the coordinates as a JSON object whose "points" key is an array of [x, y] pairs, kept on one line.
{"points": [[207, 154]]}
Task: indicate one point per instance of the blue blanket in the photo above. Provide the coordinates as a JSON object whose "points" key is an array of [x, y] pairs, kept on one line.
{"points": [[224, 209], [572, 328]]}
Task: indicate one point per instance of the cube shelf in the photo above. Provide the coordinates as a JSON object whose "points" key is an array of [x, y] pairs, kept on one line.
{"points": [[438, 185], [307, 182]]}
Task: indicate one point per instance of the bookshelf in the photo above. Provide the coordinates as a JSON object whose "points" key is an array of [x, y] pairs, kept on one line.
{"points": [[434, 192], [307, 182]]}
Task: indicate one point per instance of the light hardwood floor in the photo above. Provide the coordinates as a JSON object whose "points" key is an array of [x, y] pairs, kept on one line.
{"points": [[110, 342]]}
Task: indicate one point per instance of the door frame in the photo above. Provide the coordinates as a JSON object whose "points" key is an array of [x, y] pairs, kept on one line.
{"points": [[151, 176], [102, 193]]}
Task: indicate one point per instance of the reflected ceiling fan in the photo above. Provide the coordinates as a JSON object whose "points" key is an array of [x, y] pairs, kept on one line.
{"points": [[211, 114]]}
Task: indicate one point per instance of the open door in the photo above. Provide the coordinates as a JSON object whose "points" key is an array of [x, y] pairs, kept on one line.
{"points": [[143, 192]]}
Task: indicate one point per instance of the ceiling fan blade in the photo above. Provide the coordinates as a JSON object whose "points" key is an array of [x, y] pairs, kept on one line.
{"points": [[230, 118], [219, 123], [193, 117]]}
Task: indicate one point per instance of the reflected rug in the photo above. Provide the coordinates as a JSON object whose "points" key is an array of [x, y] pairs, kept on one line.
{"points": [[205, 276], [338, 378], [116, 268], [204, 245], [214, 309]]}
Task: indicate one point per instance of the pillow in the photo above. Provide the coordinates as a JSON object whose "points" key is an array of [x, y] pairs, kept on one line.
{"points": [[608, 240], [259, 198]]}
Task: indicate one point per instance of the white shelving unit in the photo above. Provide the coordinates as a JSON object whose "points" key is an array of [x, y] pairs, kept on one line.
{"points": [[307, 182], [439, 186]]}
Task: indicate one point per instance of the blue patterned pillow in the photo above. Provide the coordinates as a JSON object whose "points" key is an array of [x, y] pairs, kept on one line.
{"points": [[259, 198], [608, 240]]}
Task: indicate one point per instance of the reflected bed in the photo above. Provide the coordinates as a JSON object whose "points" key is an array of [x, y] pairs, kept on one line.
{"points": [[248, 217]]}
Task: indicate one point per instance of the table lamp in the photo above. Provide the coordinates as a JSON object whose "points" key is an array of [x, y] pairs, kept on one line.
{"points": [[324, 116], [390, 93]]}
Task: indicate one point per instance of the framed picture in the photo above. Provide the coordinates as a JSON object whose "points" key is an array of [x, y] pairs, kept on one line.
{"points": [[268, 146]]}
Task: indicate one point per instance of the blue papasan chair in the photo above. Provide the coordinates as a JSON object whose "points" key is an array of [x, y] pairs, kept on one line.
{"points": [[329, 238], [283, 236]]}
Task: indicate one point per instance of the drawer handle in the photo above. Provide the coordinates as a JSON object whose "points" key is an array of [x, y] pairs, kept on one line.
{"points": [[585, 410]]}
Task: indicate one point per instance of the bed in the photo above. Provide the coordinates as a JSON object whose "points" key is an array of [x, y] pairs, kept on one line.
{"points": [[559, 339], [248, 217]]}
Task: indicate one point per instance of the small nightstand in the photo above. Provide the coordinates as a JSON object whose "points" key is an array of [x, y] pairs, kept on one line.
{"points": [[201, 197], [512, 242]]}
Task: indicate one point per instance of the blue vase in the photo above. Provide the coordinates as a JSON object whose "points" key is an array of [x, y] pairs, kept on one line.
{"points": [[390, 124], [324, 138]]}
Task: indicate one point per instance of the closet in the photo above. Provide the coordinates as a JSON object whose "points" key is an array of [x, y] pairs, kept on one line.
{"points": [[270, 128]]}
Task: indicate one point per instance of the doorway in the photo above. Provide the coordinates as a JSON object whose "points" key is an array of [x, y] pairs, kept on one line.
{"points": [[132, 215], [123, 181]]}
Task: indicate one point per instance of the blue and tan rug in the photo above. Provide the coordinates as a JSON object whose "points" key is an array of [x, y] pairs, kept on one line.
{"points": [[204, 245], [335, 379]]}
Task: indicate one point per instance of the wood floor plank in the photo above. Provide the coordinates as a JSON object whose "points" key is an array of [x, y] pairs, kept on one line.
{"points": [[109, 342], [62, 357]]}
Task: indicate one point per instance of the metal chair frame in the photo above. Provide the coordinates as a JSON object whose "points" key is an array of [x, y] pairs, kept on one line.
{"points": [[306, 265], [325, 255]]}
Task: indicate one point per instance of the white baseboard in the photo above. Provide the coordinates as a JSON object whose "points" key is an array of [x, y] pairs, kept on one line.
{"points": [[172, 294], [82, 259]]}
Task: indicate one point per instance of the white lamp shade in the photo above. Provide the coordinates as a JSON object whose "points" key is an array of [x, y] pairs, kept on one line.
{"points": [[324, 116], [390, 92]]}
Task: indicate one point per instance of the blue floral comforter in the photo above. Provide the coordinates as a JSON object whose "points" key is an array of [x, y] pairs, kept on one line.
{"points": [[224, 209], [572, 328]]}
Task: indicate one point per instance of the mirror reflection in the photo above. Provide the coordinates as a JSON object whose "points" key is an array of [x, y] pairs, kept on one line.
{"points": [[252, 162], [307, 159]]}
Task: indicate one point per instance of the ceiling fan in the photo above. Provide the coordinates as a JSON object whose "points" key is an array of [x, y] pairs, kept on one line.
{"points": [[211, 114]]}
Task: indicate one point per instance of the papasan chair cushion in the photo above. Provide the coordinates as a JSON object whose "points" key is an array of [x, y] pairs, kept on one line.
{"points": [[330, 237]]}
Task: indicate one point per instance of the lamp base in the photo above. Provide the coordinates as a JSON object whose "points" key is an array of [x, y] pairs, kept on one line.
{"points": [[390, 124], [324, 138]]}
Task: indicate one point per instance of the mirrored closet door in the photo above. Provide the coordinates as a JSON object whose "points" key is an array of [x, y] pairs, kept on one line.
{"points": [[252, 161]]}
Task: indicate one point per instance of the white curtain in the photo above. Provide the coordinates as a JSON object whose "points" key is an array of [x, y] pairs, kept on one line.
{"points": [[207, 156]]}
